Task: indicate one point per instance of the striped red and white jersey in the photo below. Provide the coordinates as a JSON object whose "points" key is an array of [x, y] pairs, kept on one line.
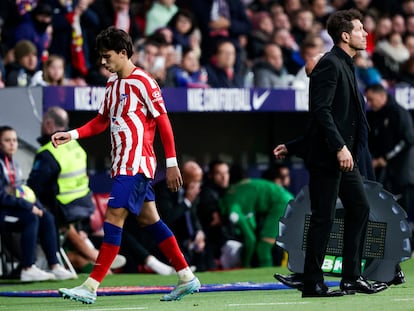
{"points": [[132, 104]]}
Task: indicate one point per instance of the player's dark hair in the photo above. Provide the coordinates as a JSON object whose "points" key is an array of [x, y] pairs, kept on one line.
{"points": [[114, 39], [341, 21]]}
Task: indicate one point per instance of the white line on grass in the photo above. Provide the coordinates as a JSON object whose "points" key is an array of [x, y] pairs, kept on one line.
{"points": [[114, 309], [265, 304], [403, 299]]}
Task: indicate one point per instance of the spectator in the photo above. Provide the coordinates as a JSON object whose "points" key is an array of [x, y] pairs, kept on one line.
{"points": [[320, 10], [292, 6], [391, 142], [11, 14], [281, 21], [52, 73], [149, 57], [217, 228], [117, 13], [270, 72], [188, 74], [27, 217], [407, 7], [310, 50], [254, 206], [36, 27], [222, 20], [21, 71], [398, 24], [365, 71], [221, 68], [388, 56], [260, 35], [383, 28], [409, 25], [409, 43], [364, 6], [97, 75], [302, 24], [182, 25], [159, 15], [369, 22], [259, 6], [279, 174], [74, 31], [179, 211], [290, 49]]}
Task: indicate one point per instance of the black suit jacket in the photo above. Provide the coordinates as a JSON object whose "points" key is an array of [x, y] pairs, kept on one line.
{"points": [[337, 113], [172, 210]]}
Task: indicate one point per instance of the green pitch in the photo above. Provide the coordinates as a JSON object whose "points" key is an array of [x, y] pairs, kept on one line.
{"points": [[396, 298]]}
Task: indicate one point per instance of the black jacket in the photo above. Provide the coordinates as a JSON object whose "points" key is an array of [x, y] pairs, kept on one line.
{"points": [[392, 137], [337, 114]]}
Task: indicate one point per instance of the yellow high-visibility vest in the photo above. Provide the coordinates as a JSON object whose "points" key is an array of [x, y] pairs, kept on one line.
{"points": [[73, 181]]}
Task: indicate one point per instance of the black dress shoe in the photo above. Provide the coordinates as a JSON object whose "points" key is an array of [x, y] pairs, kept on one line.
{"points": [[361, 285], [398, 279], [294, 280], [319, 290]]}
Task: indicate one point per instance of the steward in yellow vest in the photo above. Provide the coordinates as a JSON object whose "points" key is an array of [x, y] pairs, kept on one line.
{"points": [[59, 178]]}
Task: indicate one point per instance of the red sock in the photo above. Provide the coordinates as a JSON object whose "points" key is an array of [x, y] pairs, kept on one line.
{"points": [[172, 252], [107, 254]]}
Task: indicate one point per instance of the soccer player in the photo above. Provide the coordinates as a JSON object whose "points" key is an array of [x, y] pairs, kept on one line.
{"points": [[133, 107]]}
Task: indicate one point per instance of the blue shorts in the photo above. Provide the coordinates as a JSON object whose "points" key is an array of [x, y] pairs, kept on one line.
{"points": [[131, 192]]}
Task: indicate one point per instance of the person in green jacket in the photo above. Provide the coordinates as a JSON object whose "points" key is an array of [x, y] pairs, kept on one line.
{"points": [[254, 206]]}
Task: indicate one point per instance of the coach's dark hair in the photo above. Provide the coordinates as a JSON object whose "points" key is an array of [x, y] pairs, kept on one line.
{"points": [[114, 39], [341, 21]]}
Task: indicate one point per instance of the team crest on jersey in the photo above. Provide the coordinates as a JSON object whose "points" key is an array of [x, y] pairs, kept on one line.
{"points": [[116, 126], [123, 98]]}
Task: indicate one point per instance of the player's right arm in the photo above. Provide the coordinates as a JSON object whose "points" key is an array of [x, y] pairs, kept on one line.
{"points": [[93, 127]]}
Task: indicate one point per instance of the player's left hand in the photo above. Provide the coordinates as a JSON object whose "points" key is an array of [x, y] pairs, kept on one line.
{"points": [[174, 179]]}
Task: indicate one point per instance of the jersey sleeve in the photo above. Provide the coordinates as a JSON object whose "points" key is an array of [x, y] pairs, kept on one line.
{"points": [[167, 136], [152, 95], [95, 126]]}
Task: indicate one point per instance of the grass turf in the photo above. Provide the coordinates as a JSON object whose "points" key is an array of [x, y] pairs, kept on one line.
{"points": [[396, 298]]}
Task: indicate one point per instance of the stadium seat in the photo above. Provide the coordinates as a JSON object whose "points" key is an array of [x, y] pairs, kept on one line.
{"points": [[97, 218]]}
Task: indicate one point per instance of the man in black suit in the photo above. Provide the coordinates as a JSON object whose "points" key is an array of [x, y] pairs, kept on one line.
{"points": [[179, 211], [337, 132]]}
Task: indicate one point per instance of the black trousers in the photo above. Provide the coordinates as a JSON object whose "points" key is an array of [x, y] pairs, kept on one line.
{"points": [[324, 189]]}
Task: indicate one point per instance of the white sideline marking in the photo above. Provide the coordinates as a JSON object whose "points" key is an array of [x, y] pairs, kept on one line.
{"points": [[265, 304], [403, 299], [114, 309]]}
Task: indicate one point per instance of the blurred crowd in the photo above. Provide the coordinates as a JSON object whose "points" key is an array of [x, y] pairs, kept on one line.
{"points": [[205, 43]]}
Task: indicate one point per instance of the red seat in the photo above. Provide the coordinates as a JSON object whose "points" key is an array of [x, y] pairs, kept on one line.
{"points": [[97, 218]]}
